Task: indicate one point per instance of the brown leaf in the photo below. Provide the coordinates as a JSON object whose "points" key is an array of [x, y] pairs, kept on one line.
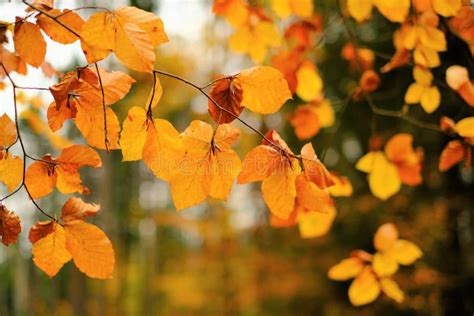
{"points": [[228, 94], [10, 226]]}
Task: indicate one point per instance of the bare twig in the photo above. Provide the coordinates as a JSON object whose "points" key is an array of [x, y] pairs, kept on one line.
{"points": [[106, 139], [23, 149]]}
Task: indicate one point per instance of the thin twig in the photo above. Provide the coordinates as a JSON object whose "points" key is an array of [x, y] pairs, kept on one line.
{"points": [[23, 149], [106, 139], [52, 17]]}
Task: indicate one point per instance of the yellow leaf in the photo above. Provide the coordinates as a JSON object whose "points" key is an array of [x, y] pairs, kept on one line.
{"points": [[146, 21], [29, 43], [385, 237], [391, 289], [133, 134], [225, 166], [190, 186], [465, 127], [430, 99], [422, 75], [405, 252], [360, 10], [342, 186], [282, 8], [384, 180], [364, 289], [395, 11], [414, 93], [325, 113], [447, 7], [133, 47], [346, 269], [316, 224], [69, 181], [50, 253], [207, 167], [279, 189], [98, 36], [310, 84], [426, 57], [11, 171], [90, 248], [163, 148], [384, 264], [264, 89], [7, 131]]}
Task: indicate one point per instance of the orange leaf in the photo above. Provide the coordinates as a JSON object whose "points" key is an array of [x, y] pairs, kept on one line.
{"points": [[305, 121], [163, 149], [259, 164], [39, 179], [80, 156], [7, 131], [134, 134], [90, 123], [77, 209], [10, 226], [130, 32], [29, 43], [90, 248], [314, 169], [279, 189], [50, 253], [57, 32], [452, 154], [228, 94]]}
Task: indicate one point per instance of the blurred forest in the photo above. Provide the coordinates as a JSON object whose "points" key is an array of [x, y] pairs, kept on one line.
{"points": [[224, 258]]}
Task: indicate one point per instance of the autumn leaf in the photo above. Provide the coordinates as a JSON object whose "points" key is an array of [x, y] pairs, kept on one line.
{"points": [[11, 170], [62, 172], [346, 269], [255, 37], [90, 248], [308, 119], [7, 131], [29, 43], [360, 10], [310, 84], [50, 253], [314, 169], [264, 89], [465, 127], [208, 166], [277, 170], [58, 32], [86, 244], [452, 154], [316, 223], [364, 289], [228, 94], [10, 226], [285, 8], [129, 32], [391, 289]]}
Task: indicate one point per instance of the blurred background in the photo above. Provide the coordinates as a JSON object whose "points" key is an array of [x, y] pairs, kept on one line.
{"points": [[224, 258]]}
